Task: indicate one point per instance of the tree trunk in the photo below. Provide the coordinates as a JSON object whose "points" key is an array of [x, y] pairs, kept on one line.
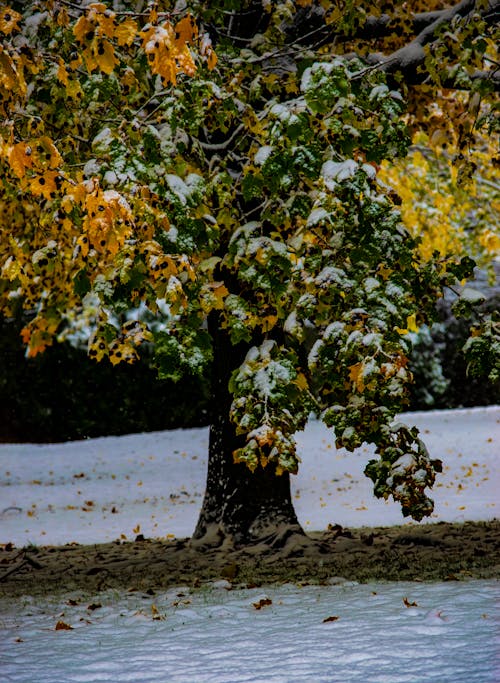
{"points": [[239, 507]]}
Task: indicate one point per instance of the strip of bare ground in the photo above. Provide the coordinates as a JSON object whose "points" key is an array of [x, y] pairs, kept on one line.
{"points": [[428, 552]]}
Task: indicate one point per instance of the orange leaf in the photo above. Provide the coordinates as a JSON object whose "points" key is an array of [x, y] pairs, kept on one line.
{"points": [[25, 334], [211, 60], [20, 158], [63, 626], [186, 30], [356, 376]]}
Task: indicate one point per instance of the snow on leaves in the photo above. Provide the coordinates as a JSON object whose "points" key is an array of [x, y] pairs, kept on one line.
{"points": [[271, 402], [404, 470], [139, 171], [99, 32]]}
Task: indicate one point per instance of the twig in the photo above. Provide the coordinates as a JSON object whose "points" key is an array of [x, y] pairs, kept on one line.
{"points": [[18, 566]]}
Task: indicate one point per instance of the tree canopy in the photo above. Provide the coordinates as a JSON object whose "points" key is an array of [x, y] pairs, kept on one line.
{"points": [[218, 166]]}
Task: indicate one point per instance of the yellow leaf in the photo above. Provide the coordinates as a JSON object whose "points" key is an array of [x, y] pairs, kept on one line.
{"points": [[10, 77], [490, 241], [74, 90], [126, 32], [268, 322], [301, 381], [62, 18], [383, 271], [9, 20], [212, 296], [47, 155], [220, 292], [105, 57], [83, 30], [11, 269], [158, 42], [185, 61], [411, 323], [120, 352], [62, 73], [46, 184], [106, 20]]}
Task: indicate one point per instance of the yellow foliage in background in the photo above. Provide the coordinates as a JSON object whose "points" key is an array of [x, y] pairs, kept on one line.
{"points": [[448, 213]]}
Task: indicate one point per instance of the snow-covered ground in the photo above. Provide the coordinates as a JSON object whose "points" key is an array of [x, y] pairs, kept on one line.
{"points": [[103, 489], [382, 633]]}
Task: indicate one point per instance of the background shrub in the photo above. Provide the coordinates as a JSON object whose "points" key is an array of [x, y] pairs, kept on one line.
{"points": [[62, 395]]}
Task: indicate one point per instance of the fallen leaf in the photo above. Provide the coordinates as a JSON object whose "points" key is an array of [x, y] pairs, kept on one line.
{"points": [[262, 603], [156, 614], [63, 626], [407, 603], [330, 619]]}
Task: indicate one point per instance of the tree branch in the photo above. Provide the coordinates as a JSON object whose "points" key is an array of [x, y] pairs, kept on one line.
{"points": [[408, 58], [384, 25]]}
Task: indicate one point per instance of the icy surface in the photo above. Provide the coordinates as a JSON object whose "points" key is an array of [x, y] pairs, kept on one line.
{"points": [[378, 633], [103, 489]]}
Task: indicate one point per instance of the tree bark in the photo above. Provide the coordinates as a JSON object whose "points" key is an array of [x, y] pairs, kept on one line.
{"points": [[240, 507]]}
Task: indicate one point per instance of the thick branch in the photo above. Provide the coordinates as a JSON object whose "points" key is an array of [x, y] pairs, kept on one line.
{"points": [[384, 25], [408, 58]]}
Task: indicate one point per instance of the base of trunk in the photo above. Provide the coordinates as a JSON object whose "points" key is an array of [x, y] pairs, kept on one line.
{"points": [[273, 535], [245, 508]]}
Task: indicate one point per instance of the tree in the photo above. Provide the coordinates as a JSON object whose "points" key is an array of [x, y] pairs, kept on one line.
{"points": [[217, 165]]}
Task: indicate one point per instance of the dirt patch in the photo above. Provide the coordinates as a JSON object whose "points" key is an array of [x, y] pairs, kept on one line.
{"points": [[428, 552]]}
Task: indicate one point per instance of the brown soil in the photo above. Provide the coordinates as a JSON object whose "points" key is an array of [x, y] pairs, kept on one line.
{"points": [[428, 552]]}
